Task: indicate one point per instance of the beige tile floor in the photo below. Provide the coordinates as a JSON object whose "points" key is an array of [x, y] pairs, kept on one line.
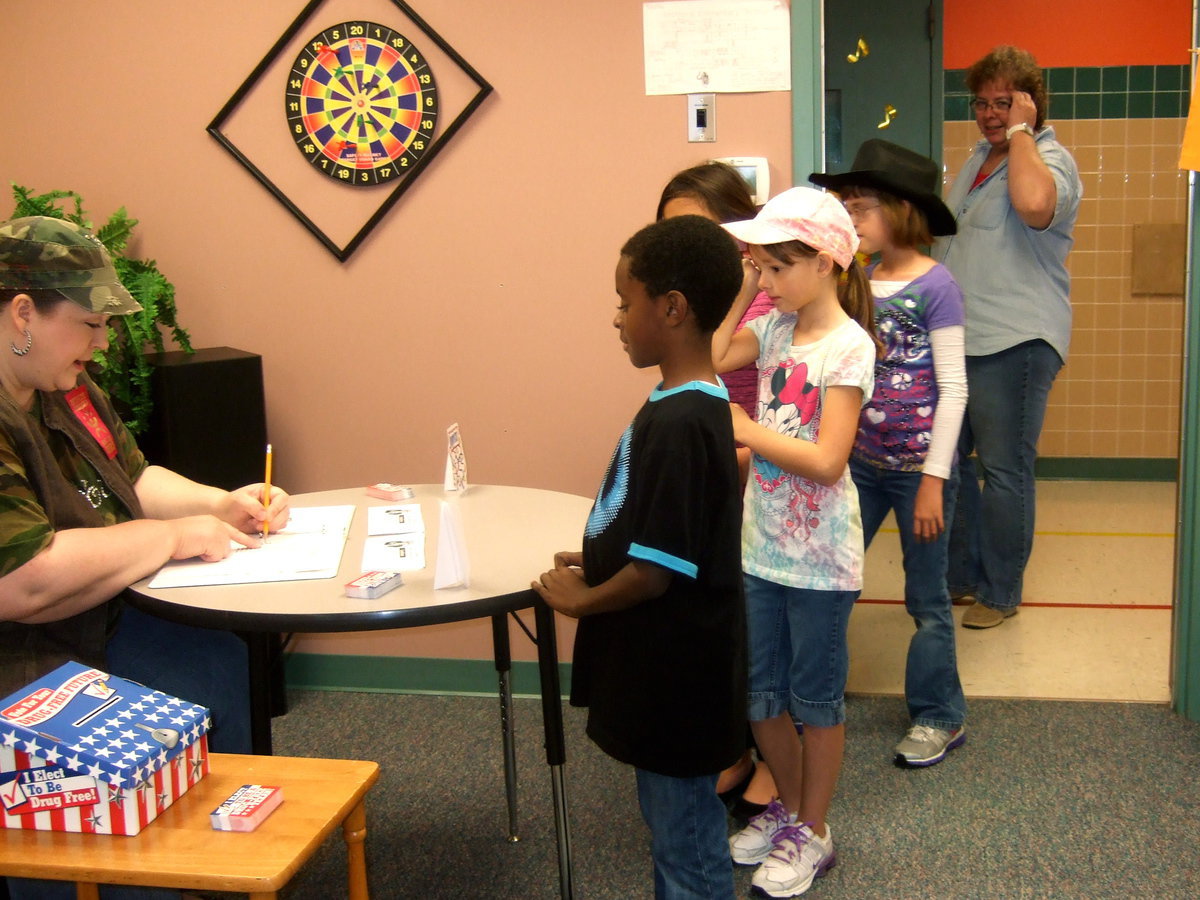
{"points": [[1096, 621]]}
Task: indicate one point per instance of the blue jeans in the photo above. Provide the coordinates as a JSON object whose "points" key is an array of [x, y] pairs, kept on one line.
{"points": [[931, 684], [201, 665], [689, 838], [799, 658], [992, 535]]}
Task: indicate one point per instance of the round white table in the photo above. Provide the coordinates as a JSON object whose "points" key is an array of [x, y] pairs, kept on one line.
{"points": [[511, 535]]}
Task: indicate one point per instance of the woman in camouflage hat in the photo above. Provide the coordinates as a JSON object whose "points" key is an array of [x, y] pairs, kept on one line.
{"points": [[82, 514]]}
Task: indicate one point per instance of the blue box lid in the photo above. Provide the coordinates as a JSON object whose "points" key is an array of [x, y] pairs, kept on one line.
{"points": [[93, 723]]}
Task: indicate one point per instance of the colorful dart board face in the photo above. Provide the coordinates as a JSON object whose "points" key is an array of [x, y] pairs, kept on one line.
{"points": [[361, 104]]}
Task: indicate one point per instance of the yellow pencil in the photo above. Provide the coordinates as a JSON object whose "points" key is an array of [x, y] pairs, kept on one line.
{"points": [[266, 498]]}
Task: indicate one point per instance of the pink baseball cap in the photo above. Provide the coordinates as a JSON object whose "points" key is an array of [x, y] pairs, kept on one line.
{"points": [[803, 214]]}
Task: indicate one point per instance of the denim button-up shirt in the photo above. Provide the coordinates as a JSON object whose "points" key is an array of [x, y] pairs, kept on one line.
{"points": [[1013, 277]]}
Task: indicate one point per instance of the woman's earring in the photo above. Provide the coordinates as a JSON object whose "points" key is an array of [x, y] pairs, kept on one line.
{"points": [[21, 351]]}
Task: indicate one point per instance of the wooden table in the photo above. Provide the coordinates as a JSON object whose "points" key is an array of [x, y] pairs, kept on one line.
{"points": [[180, 849], [511, 535]]}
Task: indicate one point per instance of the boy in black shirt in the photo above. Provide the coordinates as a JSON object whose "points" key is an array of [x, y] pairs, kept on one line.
{"points": [[660, 656]]}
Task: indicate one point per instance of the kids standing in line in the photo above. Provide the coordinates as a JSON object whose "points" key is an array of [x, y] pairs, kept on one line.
{"points": [[660, 654], [802, 546], [903, 458]]}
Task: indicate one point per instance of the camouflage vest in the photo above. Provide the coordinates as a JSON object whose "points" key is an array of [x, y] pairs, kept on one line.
{"points": [[29, 651]]}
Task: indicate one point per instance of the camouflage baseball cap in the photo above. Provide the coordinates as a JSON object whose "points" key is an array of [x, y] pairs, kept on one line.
{"points": [[44, 253]]}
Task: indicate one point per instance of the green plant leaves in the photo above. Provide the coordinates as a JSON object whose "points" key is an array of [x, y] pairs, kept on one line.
{"points": [[122, 369]]}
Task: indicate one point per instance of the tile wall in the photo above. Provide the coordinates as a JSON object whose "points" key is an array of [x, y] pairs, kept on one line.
{"points": [[1119, 395]]}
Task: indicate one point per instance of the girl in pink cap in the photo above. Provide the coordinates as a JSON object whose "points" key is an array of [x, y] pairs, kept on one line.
{"points": [[802, 540]]}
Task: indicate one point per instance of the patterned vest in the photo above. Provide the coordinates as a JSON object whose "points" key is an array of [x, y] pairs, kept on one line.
{"points": [[29, 651]]}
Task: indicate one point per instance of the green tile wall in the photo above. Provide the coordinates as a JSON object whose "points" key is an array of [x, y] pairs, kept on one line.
{"points": [[1093, 92]]}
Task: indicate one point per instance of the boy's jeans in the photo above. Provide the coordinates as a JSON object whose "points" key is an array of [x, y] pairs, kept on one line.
{"points": [[690, 843]]}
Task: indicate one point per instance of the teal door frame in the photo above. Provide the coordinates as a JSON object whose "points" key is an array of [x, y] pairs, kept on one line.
{"points": [[1185, 637], [808, 155], [808, 89]]}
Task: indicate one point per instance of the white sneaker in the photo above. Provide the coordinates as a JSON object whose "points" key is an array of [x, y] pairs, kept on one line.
{"points": [[751, 845], [799, 857]]}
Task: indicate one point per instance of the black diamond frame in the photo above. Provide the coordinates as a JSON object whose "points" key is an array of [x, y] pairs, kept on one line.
{"points": [[343, 253]]}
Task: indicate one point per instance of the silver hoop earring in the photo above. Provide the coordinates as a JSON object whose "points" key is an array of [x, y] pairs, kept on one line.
{"points": [[21, 351]]}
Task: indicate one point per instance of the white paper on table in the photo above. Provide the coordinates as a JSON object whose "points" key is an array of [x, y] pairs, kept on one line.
{"points": [[309, 547], [399, 518], [394, 553], [453, 568]]}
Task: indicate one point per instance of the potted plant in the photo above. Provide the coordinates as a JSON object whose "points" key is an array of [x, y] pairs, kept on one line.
{"points": [[122, 370]]}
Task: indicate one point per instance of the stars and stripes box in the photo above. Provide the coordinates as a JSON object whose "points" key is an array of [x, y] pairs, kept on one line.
{"points": [[82, 750]]}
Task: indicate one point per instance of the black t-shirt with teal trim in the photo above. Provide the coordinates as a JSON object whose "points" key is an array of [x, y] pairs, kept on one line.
{"points": [[665, 681]]}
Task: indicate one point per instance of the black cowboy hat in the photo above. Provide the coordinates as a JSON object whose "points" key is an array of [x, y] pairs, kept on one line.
{"points": [[884, 166]]}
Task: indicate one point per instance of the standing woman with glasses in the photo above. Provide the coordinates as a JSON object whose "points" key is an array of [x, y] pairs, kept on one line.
{"points": [[1015, 202]]}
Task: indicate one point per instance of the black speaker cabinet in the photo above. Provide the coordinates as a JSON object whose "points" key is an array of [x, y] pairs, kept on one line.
{"points": [[209, 419]]}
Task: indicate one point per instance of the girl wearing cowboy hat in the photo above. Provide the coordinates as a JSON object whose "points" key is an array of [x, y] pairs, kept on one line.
{"points": [[903, 457]]}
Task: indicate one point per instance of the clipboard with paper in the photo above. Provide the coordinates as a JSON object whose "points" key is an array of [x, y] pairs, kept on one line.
{"points": [[310, 547]]}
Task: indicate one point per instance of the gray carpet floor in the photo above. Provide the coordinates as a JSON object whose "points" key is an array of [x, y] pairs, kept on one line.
{"points": [[1046, 799]]}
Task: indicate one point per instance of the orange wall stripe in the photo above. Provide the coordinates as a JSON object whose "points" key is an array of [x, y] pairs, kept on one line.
{"points": [[1071, 32]]}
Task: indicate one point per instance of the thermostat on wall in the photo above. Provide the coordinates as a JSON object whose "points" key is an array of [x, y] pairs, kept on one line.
{"points": [[756, 172]]}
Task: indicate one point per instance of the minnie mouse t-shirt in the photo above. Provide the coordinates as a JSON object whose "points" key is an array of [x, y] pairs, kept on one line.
{"points": [[795, 531]]}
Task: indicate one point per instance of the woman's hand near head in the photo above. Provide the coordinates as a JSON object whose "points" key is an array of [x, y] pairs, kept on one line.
{"points": [[1023, 109]]}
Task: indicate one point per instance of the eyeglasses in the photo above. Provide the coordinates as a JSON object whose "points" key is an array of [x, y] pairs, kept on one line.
{"points": [[1000, 105], [859, 210]]}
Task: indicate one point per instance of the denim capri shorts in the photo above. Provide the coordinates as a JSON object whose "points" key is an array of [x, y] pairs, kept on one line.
{"points": [[798, 654]]}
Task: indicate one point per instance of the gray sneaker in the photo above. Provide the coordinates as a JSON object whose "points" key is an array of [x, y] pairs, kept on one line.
{"points": [[924, 745]]}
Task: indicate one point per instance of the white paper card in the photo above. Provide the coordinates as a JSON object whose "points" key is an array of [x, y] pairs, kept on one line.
{"points": [[453, 567], [394, 553], [717, 46], [310, 547], [456, 461], [400, 518]]}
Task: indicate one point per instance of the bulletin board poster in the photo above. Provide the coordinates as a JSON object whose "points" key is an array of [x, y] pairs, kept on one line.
{"points": [[716, 46]]}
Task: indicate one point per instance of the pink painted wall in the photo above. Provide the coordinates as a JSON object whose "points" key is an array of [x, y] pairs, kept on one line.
{"points": [[484, 297]]}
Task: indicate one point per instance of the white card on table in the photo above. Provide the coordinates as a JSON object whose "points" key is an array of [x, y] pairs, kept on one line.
{"points": [[453, 567]]}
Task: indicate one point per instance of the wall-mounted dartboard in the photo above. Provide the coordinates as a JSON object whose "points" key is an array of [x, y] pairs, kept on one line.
{"points": [[361, 103], [363, 108]]}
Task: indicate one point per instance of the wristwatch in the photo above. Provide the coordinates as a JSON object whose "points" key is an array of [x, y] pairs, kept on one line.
{"points": [[1024, 126]]}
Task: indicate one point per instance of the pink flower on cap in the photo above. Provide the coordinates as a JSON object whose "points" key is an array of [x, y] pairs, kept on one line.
{"points": [[802, 214]]}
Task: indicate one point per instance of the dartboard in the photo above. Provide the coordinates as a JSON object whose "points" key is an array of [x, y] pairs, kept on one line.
{"points": [[361, 103]]}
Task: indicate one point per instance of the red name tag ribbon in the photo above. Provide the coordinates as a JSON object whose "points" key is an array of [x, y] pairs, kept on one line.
{"points": [[80, 402]]}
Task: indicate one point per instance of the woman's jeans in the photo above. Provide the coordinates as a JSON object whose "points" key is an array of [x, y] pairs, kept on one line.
{"points": [[931, 683], [992, 535], [689, 836]]}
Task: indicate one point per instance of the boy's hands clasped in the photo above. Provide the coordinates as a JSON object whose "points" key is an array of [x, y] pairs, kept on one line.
{"points": [[563, 587]]}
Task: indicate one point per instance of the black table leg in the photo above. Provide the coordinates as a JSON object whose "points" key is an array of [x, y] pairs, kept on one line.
{"points": [[552, 722], [500, 645], [258, 643]]}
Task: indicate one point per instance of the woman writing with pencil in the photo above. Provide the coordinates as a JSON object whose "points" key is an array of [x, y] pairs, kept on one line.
{"points": [[82, 514]]}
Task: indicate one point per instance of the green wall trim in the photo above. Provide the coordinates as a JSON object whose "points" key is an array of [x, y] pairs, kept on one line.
{"points": [[1093, 92], [411, 675], [1103, 469]]}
